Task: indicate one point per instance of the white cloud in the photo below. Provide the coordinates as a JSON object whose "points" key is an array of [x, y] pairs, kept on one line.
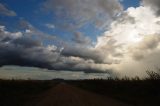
{"points": [[50, 26], [139, 39], [28, 31], [12, 35], [16, 34], [51, 47]]}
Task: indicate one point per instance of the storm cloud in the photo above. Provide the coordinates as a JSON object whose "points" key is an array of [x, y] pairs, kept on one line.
{"points": [[129, 43], [23, 50]]}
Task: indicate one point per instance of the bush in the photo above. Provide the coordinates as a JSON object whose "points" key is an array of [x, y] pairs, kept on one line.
{"points": [[153, 75]]}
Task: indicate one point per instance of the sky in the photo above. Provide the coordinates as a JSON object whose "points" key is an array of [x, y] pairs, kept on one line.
{"points": [[78, 39]]}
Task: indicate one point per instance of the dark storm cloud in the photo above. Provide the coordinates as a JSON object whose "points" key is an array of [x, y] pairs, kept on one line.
{"points": [[5, 11], [79, 64], [33, 56], [11, 54], [78, 12], [23, 50], [26, 42], [99, 55], [83, 52], [154, 4]]}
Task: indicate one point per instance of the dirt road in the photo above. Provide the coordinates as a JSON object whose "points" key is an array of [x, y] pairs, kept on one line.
{"points": [[67, 95]]}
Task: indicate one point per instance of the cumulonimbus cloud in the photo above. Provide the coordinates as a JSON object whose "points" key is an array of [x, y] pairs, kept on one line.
{"points": [[139, 39]]}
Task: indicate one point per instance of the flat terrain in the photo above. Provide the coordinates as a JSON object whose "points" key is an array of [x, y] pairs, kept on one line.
{"points": [[67, 95]]}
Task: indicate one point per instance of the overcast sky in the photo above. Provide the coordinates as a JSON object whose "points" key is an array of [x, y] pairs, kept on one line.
{"points": [[45, 39]]}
